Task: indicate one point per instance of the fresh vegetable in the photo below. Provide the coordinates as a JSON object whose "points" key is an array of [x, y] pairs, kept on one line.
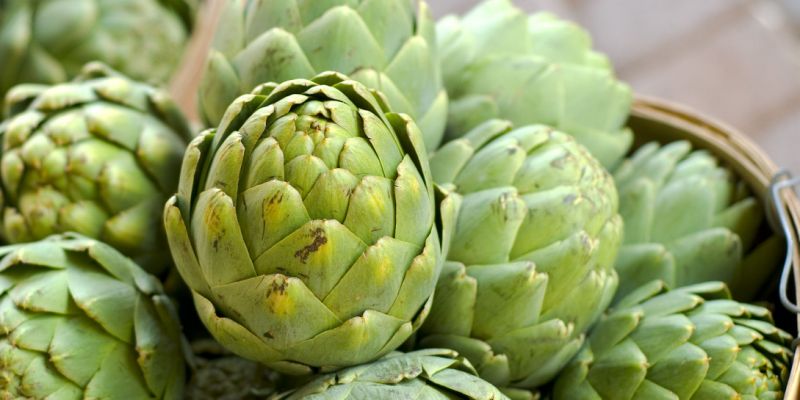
{"points": [[689, 343], [689, 220], [78, 320], [531, 264], [499, 62], [98, 156], [304, 226], [49, 41], [384, 44]]}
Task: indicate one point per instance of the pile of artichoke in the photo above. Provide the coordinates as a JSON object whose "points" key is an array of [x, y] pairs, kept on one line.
{"points": [[373, 205]]}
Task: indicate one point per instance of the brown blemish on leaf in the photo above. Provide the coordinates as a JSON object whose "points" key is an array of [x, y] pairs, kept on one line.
{"points": [[318, 240], [277, 286], [276, 198], [237, 316], [275, 292]]}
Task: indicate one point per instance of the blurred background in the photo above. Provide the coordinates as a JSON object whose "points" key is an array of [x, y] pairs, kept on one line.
{"points": [[735, 60]]}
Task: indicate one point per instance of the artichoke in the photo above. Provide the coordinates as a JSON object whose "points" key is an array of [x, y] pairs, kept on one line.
{"points": [[49, 41], [499, 63], [423, 374], [531, 263], [689, 343], [80, 321], [304, 226], [383, 44], [98, 156], [687, 220]]}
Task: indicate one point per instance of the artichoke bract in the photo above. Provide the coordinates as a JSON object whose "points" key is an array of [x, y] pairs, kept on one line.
{"points": [[49, 41], [497, 62], [689, 343], [423, 374], [383, 44], [304, 226], [689, 220], [78, 320], [98, 156], [530, 266]]}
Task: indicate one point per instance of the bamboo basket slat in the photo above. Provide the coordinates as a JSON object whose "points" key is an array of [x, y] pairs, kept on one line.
{"points": [[664, 121], [184, 85]]}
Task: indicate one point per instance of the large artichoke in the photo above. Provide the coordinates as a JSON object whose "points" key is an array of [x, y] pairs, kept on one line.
{"points": [[423, 374], [80, 321], [98, 156], [48, 41], [689, 343], [687, 220], [383, 44], [530, 267], [499, 63], [304, 226]]}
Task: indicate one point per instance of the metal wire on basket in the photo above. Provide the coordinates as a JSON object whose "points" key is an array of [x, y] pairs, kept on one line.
{"points": [[784, 180]]}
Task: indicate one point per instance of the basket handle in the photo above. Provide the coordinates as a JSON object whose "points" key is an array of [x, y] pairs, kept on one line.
{"points": [[784, 180]]}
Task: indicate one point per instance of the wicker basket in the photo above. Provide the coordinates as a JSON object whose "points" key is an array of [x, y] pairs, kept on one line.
{"points": [[662, 121]]}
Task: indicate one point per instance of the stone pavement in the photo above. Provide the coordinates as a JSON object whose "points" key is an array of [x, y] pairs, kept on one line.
{"points": [[736, 60]]}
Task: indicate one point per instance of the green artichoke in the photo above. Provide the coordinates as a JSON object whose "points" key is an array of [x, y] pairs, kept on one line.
{"points": [[98, 156], [80, 321], [424, 374], [499, 63], [531, 263], [689, 343], [383, 44], [687, 220], [304, 226], [49, 41]]}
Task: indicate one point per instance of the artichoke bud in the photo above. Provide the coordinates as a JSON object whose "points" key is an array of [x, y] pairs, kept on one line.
{"points": [[691, 342], [79, 320], [537, 225], [98, 156], [48, 42], [305, 226], [687, 220], [498, 62], [386, 45]]}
